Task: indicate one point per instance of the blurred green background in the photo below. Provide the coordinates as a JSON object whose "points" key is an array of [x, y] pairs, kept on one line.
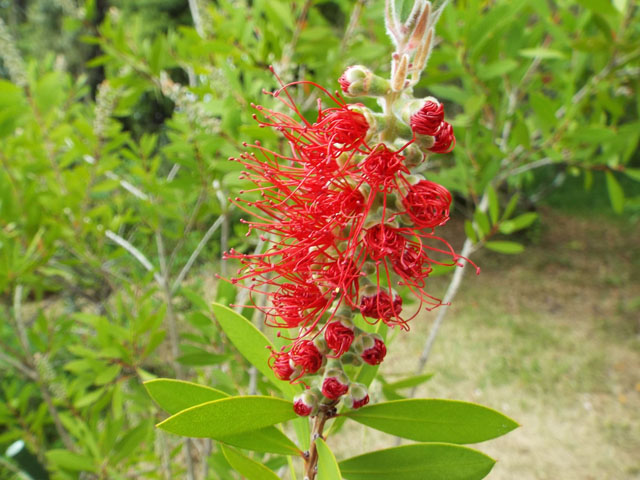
{"points": [[117, 118]]}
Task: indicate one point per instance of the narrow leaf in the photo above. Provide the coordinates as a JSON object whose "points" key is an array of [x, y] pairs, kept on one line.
{"points": [[173, 396], [543, 53], [470, 231], [494, 206], [521, 221], [509, 248], [229, 416], [248, 468], [327, 466], [616, 195], [434, 420], [432, 461], [71, 461], [251, 343], [412, 381]]}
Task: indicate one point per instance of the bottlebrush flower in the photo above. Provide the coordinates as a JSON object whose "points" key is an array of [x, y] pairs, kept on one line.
{"points": [[345, 223]]}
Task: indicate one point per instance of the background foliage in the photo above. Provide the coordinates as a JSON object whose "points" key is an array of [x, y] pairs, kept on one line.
{"points": [[116, 120]]}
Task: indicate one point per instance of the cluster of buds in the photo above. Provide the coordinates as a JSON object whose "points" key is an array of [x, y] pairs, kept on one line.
{"points": [[348, 222]]}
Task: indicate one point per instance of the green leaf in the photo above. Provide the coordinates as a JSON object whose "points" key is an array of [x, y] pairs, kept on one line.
{"points": [[616, 195], [176, 395], [518, 223], [267, 439], [496, 69], [432, 461], [229, 416], [470, 231], [248, 468], [71, 461], [543, 53], [494, 205], [327, 466], [633, 173], [251, 343], [412, 381], [482, 220], [509, 248], [435, 420]]}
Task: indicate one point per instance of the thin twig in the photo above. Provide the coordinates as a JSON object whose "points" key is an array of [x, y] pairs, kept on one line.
{"points": [[183, 273], [137, 254], [25, 370]]}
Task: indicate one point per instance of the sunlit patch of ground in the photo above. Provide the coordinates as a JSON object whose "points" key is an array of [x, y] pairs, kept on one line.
{"points": [[551, 338]]}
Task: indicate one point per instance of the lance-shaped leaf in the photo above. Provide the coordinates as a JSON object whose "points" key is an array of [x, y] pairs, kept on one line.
{"points": [[327, 466], [248, 468], [229, 416], [175, 396], [433, 461], [251, 343], [432, 420]]}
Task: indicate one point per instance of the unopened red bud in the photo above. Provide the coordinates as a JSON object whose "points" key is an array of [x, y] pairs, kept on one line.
{"points": [[375, 355], [380, 306], [306, 355], [335, 384], [428, 120], [358, 395], [338, 337], [281, 365], [445, 140], [305, 403]]}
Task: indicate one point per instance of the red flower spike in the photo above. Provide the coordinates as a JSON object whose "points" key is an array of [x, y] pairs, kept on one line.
{"points": [[375, 354], [334, 387], [304, 354], [427, 204], [428, 120], [445, 139], [338, 337]]}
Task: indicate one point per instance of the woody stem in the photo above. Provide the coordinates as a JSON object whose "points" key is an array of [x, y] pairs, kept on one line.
{"points": [[311, 461]]}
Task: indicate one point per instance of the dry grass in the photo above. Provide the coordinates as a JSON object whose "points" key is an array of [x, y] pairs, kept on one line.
{"points": [[551, 338]]}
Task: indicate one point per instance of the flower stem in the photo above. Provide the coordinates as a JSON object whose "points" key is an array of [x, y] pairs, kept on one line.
{"points": [[311, 459]]}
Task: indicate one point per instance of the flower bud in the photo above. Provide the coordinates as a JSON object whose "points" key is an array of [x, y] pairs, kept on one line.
{"points": [[306, 403], [339, 336], [445, 140], [306, 355], [380, 306], [428, 119], [358, 80], [375, 354], [335, 384], [358, 396], [281, 365]]}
